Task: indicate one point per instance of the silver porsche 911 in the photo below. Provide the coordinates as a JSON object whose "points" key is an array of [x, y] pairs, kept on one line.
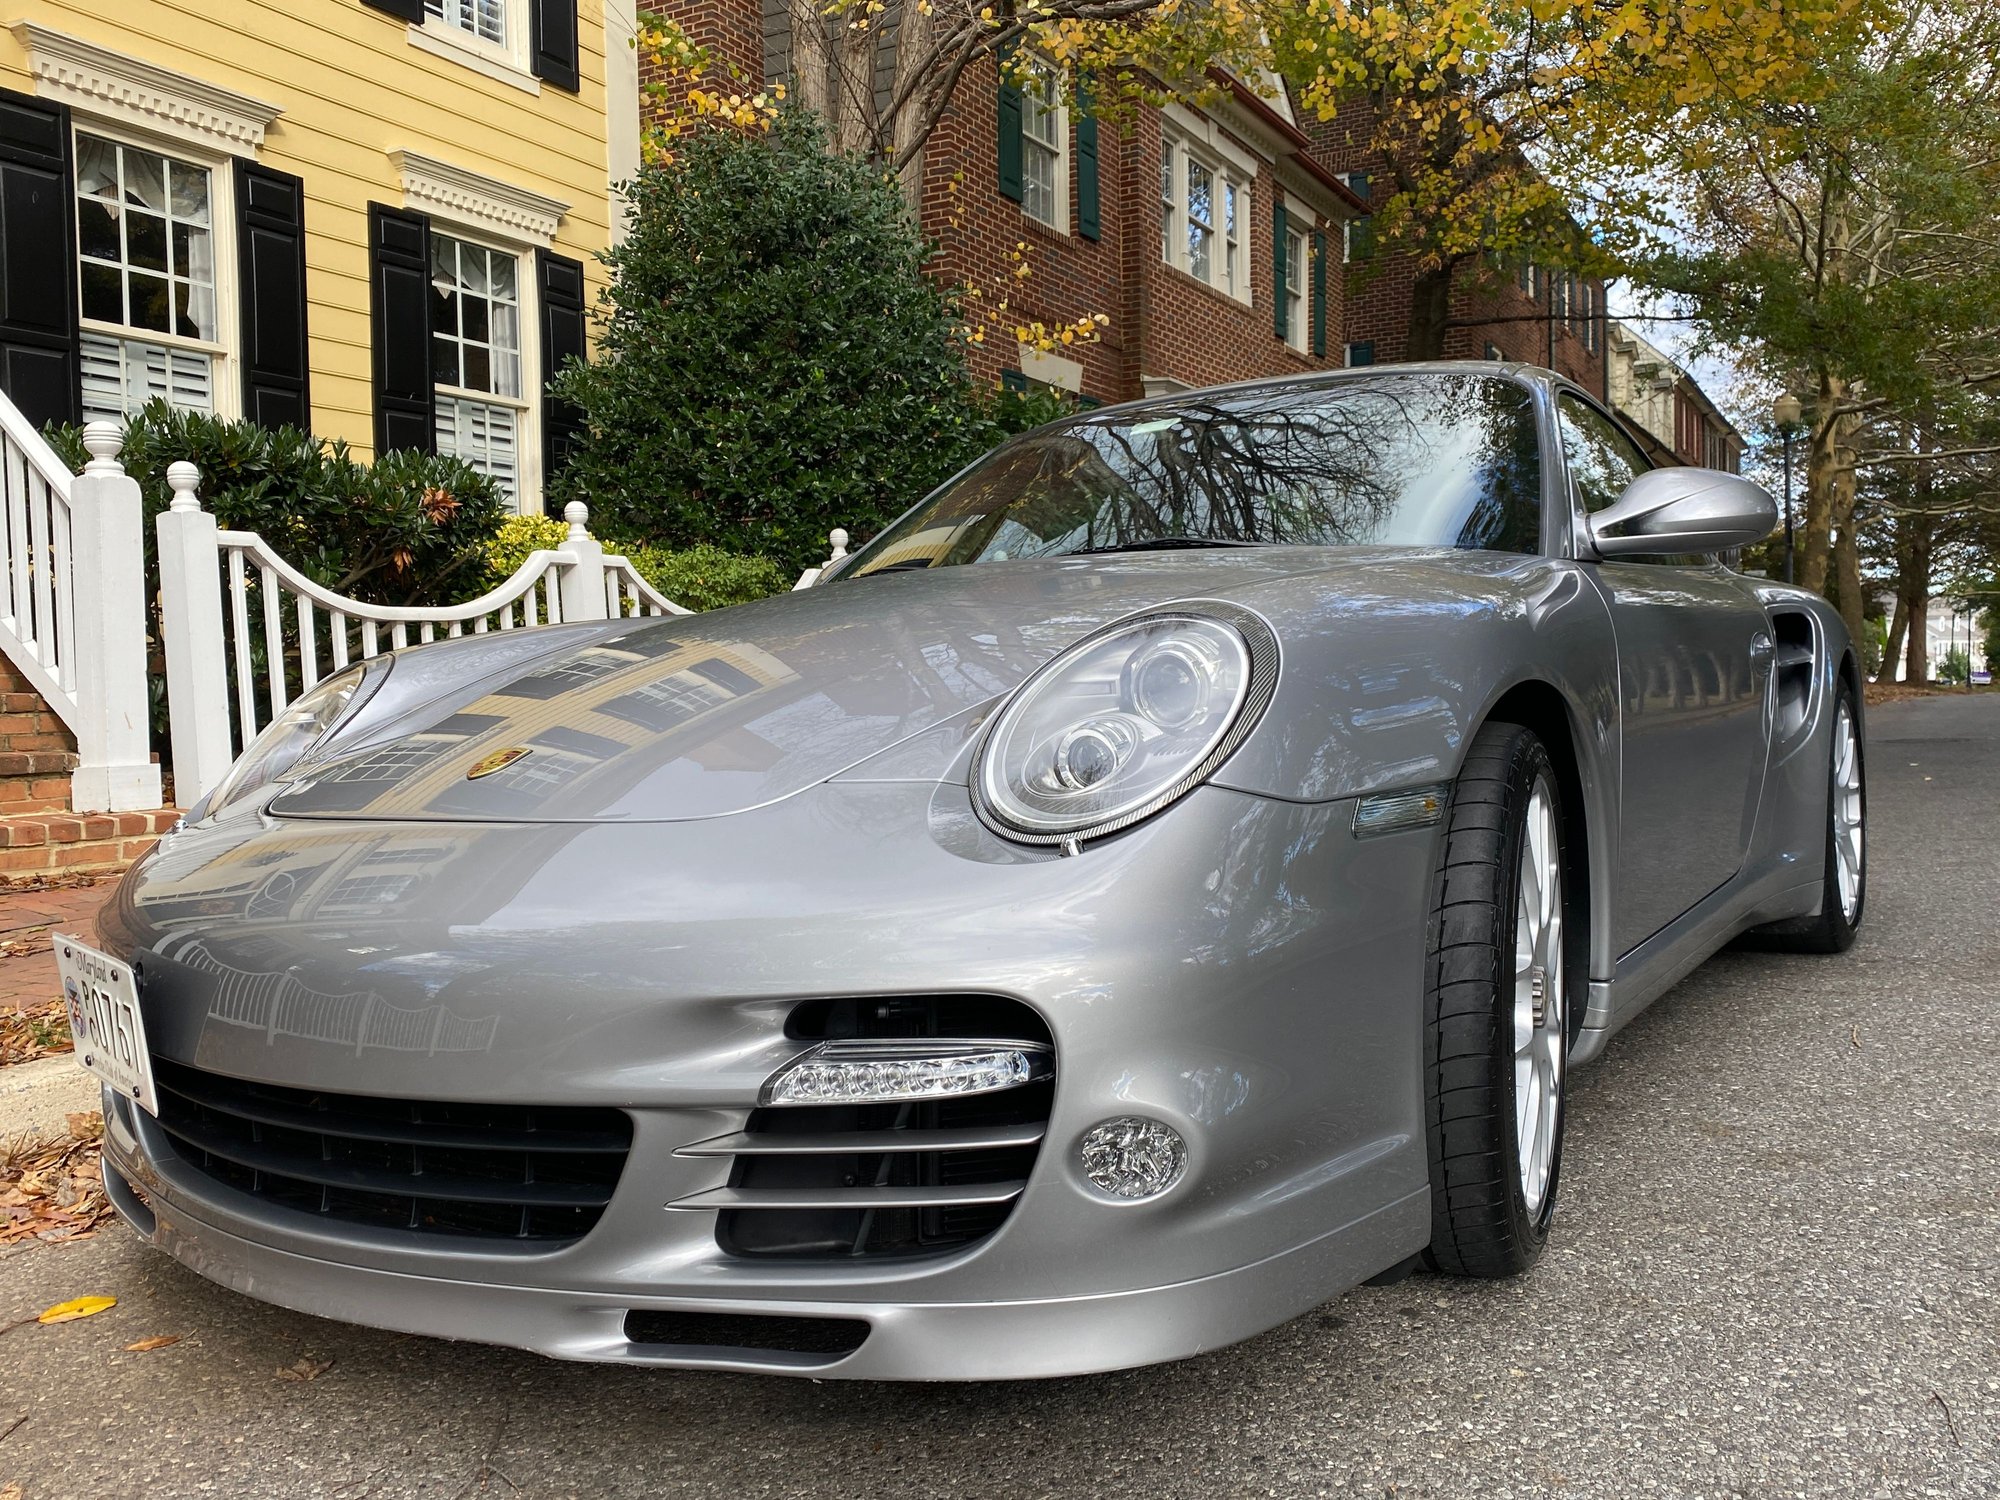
{"points": [[1160, 882]]}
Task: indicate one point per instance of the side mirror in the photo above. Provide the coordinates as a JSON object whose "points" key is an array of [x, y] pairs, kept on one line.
{"points": [[1684, 510]]}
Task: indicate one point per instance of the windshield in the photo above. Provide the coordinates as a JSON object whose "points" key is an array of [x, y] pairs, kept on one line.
{"points": [[1417, 459]]}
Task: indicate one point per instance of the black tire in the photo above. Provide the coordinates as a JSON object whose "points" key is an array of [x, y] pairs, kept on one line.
{"points": [[1833, 930], [1481, 1220]]}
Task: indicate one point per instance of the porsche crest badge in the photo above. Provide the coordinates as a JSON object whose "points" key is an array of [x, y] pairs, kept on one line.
{"points": [[499, 760]]}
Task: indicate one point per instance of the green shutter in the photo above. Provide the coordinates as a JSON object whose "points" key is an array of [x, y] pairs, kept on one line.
{"points": [[1319, 295], [1010, 134], [1361, 232], [1087, 207], [1278, 269]]}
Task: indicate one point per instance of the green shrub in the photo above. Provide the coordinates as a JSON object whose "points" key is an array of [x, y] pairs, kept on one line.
{"points": [[702, 577], [774, 362], [410, 529]]}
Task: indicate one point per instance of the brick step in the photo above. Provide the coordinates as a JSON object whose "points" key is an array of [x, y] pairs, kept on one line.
{"points": [[35, 781], [33, 842]]}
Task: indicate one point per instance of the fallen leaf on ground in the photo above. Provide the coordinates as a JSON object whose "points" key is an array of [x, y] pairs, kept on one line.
{"points": [[53, 1190], [10, 1492], [38, 1029], [76, 1307], [305, 1369], [159, 1341]]}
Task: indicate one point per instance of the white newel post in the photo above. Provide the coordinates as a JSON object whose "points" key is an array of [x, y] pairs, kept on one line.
{"points": [[191, 622], [115, 770], [582, 583]]}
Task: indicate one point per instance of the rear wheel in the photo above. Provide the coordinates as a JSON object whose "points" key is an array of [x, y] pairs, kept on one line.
{"points": [[1497, 1010], [1844, 877]]}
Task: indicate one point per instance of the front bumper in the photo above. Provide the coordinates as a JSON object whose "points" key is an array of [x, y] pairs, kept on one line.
{"points": [[1239, 968]]}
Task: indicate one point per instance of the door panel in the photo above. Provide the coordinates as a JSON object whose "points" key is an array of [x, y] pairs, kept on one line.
{"points": [[1691, 674], [1693, 666]]}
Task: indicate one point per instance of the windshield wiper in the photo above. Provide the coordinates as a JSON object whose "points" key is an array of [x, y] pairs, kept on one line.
{"points": [[1167, 544]]}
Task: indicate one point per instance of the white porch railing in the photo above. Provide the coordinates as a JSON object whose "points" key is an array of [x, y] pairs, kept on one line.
{"points": [[210, 623], [72, 605]]}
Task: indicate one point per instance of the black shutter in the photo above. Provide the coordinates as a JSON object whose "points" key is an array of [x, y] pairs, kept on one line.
{"points": [[1089, 211], [560, 281], [1319, 295], [271, 262], [403, 10], [1279, 324], [554, 37], [1010, 134], [39, 364], [399, 272]]}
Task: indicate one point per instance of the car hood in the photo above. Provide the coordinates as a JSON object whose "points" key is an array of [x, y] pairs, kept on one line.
{"points": [[704, 715]]}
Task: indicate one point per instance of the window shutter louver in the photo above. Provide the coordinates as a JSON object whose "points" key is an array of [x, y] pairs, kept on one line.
{"points": [[399, 264], [777, 20], [403, 10], [554, 44], [39, 362], [1010, 136], [1089, 207], [560, 282], [1319, 295], [271, 257], [1278, 232]]}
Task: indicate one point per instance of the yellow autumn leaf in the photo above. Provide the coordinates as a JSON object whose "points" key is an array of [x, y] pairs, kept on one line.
{"points": [[76, 1307]]}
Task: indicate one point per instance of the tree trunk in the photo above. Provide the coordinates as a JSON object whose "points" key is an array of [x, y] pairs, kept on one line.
{"points": [[1823, 479], [1430, 311], [1899, 623], [1853, 602]]}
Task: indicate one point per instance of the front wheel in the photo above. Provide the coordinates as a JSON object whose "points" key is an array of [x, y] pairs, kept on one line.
{"points": [[1497, 1010]]}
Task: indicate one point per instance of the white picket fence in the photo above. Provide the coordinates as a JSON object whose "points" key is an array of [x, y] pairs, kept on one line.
{"points": [[72, 605], [209, 622]]}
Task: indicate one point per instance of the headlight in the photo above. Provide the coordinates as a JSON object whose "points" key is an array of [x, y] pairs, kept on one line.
{"points": [[1124, 722], [305, 723]]}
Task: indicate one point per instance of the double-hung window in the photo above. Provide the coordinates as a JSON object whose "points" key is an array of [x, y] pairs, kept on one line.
{"points": [[1204, 211], [482, 415], [1044, 142], [1298, 265], [146, 243], [483, 19]]}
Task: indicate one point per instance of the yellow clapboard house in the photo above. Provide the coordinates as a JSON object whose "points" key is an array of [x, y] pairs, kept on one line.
{"points": [[374, 218]]}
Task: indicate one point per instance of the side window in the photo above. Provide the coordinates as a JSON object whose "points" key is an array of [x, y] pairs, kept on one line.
{"points": [[1602, 459]]}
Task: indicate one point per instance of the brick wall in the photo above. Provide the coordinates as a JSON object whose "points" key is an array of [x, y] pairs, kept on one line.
{"points": [[1163, 323], [37, 750]]}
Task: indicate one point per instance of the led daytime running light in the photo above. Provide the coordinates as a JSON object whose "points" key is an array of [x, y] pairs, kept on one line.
{"points": [[889, 1072]]}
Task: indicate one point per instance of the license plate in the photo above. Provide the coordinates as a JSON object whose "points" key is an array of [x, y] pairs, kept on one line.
{"points": [[104, 1020]]}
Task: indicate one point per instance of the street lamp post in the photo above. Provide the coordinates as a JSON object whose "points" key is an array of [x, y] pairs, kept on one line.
{"points": [[1787, 413]]}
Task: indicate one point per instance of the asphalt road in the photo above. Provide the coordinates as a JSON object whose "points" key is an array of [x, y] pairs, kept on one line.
{"points": [[1776, 1273]]}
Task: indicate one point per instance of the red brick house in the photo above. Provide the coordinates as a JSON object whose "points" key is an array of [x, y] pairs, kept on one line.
{"points": [[1524, 312], [1209, 239], [1663, 401]]}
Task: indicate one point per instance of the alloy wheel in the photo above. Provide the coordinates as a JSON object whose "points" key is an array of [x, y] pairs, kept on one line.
{"points": [[1540, 994], [1847, 814]]}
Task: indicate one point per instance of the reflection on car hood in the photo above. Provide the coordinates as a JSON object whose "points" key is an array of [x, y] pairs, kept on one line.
{"points": [[697, 716]]}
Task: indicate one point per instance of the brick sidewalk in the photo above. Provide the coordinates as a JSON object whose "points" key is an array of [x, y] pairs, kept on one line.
{"points": [[27, 973]]}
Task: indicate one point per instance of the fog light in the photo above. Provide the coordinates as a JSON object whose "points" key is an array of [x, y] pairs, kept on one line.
{"points": [[887, 1072], [1134, 1158]]}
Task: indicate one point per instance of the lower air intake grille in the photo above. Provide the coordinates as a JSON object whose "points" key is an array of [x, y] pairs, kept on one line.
{"points": [[482, 1171], [760, 1331], [846, 1180]]}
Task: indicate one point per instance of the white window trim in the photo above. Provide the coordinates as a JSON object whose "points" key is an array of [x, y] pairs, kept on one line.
{"points": [[226, 390], [528, 497], [1050, 369], [142, 96], [477, 203], [508, 64], [1060, 223], [1223, 169]]}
